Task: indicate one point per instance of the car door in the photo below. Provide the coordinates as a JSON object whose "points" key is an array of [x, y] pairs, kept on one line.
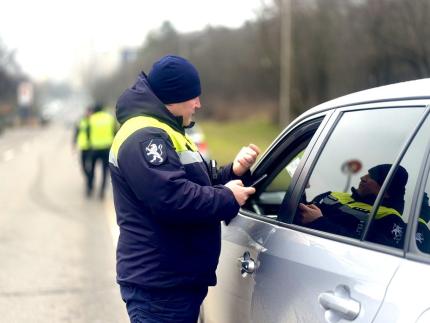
{"points": [[299, 274], [407, 298], [307, 275], [244, 237]]}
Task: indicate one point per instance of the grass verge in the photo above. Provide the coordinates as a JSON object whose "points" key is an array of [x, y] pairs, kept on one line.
{"points": [[226, 138]]}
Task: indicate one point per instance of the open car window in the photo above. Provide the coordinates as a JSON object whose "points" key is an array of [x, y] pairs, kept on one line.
{"points": [[281, 166]]}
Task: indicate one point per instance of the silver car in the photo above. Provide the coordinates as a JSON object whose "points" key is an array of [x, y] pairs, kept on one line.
{"points": [[276, 268]]}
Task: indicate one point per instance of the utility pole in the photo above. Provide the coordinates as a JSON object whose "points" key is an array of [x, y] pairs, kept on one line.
{"points": [[285, 63]]}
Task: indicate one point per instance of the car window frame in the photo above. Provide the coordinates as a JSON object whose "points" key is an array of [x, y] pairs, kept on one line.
{"points": [[395, 164], [411, 248], [276, 152], [293, 200], [301, 138], [254, 200]]}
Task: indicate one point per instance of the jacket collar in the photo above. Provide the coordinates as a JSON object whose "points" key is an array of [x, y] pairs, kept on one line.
{"points": [[140, 100]]}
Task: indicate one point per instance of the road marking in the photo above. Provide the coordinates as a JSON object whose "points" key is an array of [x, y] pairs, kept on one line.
{"points": [[8, 155]]}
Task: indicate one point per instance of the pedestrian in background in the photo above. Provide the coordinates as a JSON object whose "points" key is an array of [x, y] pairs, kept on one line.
{"points": [[169, 205], [81, 141], [102, 129]]}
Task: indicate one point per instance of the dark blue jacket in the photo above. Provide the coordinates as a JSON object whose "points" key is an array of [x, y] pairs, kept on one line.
{"points": [[169, 214]]}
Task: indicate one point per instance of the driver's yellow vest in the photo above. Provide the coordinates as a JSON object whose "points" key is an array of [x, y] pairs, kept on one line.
{"points": [[83, 141], [349, 204]]}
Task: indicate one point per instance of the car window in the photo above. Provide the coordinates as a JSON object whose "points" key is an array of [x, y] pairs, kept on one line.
{"points": [[351, 170], [400, 191], [270, 199], [283, 180], [422, 236], [280, 167]]}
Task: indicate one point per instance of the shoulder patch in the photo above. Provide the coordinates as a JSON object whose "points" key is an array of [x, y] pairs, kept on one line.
{"points": [[397, 233], [155, 151]]}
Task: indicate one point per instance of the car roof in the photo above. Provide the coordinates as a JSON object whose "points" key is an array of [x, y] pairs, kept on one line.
{"points": [[417, 89]]}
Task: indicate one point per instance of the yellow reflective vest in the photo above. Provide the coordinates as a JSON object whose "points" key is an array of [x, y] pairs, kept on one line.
{"points": [[82, 140], [102, 130], [184, 146]]}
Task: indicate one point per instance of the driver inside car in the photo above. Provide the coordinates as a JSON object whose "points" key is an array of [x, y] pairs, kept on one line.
{"points": [[347, 213]]}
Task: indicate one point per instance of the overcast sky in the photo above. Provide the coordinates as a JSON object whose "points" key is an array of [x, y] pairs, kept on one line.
{"points": [[52, 38]]}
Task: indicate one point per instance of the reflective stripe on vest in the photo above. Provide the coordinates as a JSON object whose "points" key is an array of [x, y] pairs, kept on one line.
{"points": [[358, 209], [184, 146], [102, 127], [422, 221], [82, 140]]}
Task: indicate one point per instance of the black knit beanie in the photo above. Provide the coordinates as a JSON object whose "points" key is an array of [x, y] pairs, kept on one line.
{"points": [[173, 79], [398, 182]]}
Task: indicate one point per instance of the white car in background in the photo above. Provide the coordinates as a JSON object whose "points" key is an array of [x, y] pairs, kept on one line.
{"points": [[198, 137]]}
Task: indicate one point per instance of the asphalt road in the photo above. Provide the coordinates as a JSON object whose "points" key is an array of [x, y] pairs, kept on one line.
{"points": [[57, 255]]}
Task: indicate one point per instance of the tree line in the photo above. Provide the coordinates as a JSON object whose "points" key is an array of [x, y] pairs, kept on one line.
{"points": [[9, 71], [337, 47]]}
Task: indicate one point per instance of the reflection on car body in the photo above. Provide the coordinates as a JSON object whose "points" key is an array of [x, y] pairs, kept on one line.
{"points": [[301, 273]]}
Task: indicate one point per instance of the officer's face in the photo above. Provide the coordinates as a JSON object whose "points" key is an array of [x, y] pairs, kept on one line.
{"points": [[368, 186], [185, 109]]}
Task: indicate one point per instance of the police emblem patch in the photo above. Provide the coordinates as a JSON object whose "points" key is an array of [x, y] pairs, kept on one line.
{"points": [[397, 232], [419, 237], [155, 151]]}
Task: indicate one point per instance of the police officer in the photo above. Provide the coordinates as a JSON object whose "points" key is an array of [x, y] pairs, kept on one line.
{"points": [[81, 140], [102, 128], [168, 207], [347, 214]]}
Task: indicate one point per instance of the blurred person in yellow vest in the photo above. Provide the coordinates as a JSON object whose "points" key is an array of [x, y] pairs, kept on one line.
{"points": [[102, 129], [81, 141]]}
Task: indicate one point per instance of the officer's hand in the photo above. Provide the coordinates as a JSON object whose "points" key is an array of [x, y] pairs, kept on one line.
{"points": [[241, 193], [245, 159], [309, 212]]}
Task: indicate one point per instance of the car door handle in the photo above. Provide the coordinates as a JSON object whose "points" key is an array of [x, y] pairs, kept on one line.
{"points": [[340, 302], [246, 264]]}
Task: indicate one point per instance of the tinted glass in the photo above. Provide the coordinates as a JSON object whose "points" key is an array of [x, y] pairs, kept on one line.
{"points": [[283, 179], [270, 199], [399, 194], [422, 236], [351, 169], [415, 155]]}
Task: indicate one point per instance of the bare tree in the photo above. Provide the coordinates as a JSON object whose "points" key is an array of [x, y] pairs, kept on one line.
{"points": [[338, 47]]}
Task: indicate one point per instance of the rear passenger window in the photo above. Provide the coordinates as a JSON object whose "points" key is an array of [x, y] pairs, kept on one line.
{"points": [[422, 236], [350, 172], [400, 193]]}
